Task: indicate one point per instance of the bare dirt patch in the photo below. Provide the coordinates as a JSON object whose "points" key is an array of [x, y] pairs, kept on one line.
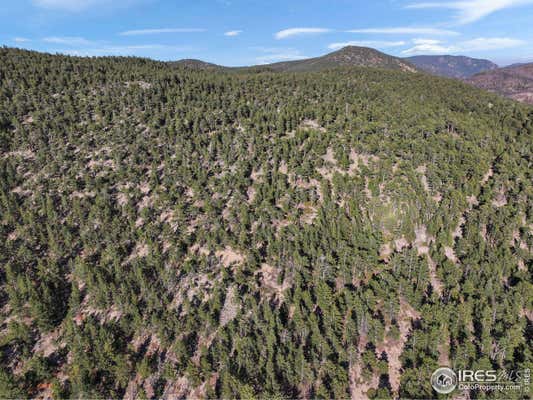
{"points": [[13, 236], [358, 386], [312, 124], [144, 187], [329, 157], [257, 175], [433, 278], [141, 250], [400, 244], [487, 176], [48, 344], [394, 347], [167, 217], [230, 309], [458, 232], [500, 200], [25, 154], [309, 213], [283, 167], [422, 240], [472, 201], [450, 254], [270, 281], [229, 256], [142, 84], [174, 390], [385, 251], [251, 193]]}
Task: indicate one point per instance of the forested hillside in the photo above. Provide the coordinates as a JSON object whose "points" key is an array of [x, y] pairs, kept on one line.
{"points": [[202, 234], [349, 56], [459, 67], [515, 82]]}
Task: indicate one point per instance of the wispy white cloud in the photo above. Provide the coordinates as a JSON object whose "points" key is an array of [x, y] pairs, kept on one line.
{"points": [[20, 39], [482, 44], [468, 11], [406, 31], [232, 33], [271, 58], [138, 32], [68, 40], [286, 33], [271, 50], [84, 5], [67, 5], [428, 46], [367, 43], [431, 46], [274, 54], [145, 50]]}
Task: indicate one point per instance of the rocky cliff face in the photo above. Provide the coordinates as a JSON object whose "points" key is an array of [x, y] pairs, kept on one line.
{"points": [[515, 82]]}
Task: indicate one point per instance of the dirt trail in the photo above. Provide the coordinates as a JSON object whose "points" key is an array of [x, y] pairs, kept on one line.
{"points": [[394, 347], [358, 387], [433, 278]]}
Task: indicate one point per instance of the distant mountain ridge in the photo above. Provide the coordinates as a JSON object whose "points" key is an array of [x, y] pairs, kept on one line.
{"points": [[346, 57], [459, 67], [515, 82], [197, 64]]}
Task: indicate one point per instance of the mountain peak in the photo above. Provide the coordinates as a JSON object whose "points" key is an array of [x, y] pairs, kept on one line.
{"points": [[352, 48], [367, 57], [349, 56], [196, 64]]}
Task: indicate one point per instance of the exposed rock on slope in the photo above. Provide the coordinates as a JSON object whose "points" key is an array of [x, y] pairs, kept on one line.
{"points": [[460, 67], [515, 82]]}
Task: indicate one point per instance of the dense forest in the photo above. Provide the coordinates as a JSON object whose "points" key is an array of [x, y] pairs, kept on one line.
{"points": [[167, 232]]}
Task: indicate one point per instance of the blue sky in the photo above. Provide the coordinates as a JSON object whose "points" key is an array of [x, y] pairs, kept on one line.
{"points": [[244, 32]]}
